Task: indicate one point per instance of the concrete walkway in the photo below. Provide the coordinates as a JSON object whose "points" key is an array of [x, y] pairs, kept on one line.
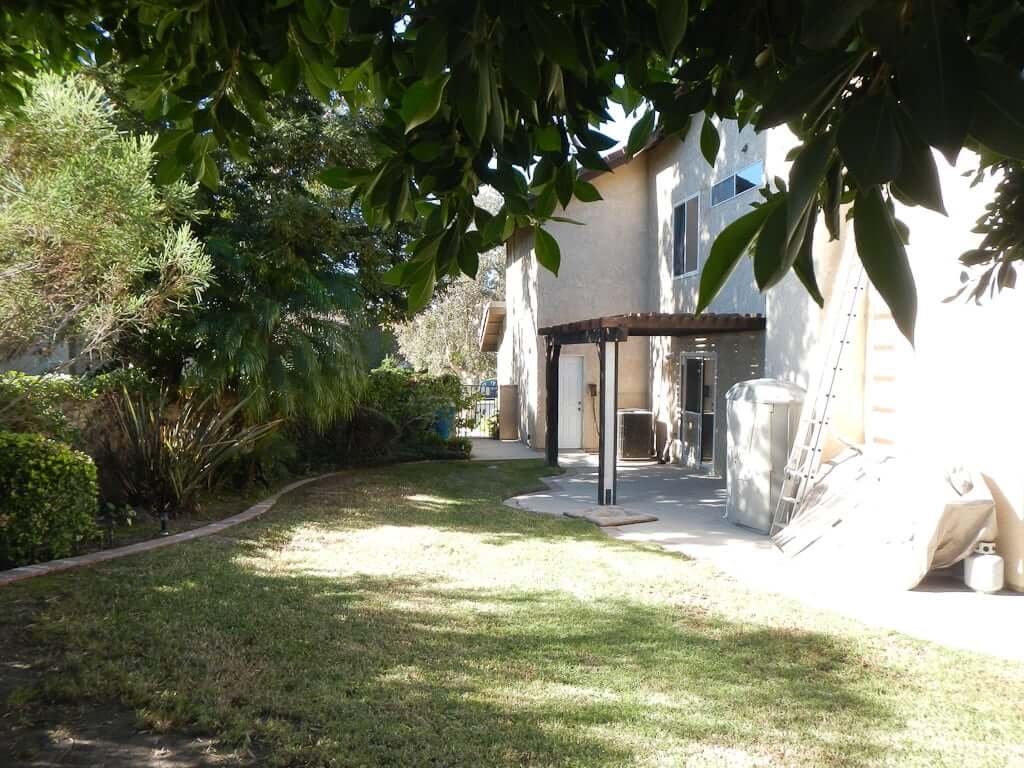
{"points": [[487, 449], [690, 511]]}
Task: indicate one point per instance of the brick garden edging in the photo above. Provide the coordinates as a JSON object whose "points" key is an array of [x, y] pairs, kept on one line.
{"points": [[67, 563]]}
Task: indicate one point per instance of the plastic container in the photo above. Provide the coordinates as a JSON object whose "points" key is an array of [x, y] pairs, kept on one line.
{"points": [[763, 416]]}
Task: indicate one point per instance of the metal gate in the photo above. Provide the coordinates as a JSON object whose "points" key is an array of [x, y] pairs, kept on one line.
{"points": [[480, 417]]}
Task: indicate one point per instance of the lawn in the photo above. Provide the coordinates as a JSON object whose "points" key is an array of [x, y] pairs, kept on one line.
{"points": [[404, 617]]}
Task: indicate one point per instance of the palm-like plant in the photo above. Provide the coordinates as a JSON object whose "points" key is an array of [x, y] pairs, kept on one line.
{"points": [[297, 277], [175, 449]]}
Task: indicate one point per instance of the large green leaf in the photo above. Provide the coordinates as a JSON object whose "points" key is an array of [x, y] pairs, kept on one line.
{"points": [[999, 109], [472, 93], [814, 80], [565, 183], [826, 21], [672, 17], [586, 192], [431, 48], [519, 65], [803, 267], [549, 138], [206, 172], [918, 179], [805, 179], [285, 74], [640, 133], [870, 142], [884, 257], [596, 140], [420, 279], [727, 250], [936, 77], [710, 141], [553, 36], [422, 100], [546, 248], [832, 198], [345, 178], [770, 259]]}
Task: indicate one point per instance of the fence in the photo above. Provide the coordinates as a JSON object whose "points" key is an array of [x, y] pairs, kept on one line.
{"points": [[475, 420]]}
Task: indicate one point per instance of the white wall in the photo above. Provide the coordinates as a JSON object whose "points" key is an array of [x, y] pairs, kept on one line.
{"points": [[518, 352], [951, 399], [603, 272], [678, 171]]}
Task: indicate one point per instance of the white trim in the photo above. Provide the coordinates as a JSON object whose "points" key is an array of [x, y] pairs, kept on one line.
{"points": [[672, 248]]}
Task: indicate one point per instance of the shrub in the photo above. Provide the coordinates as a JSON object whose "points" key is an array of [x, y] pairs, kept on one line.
{"points": [[39, 404], [461, 445], [489, 425], [368, 436], [175, 449], [47, 498], [413, 400], [80, 410]]}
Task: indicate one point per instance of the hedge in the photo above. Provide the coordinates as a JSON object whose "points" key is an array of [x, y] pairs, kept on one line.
{"points": [[48, 499]]}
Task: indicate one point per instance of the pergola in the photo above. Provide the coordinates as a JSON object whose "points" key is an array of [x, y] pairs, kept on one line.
{"points": [[607, 332]]}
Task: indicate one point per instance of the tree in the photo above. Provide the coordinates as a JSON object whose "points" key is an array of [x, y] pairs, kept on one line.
{"points": [[91, 249], [443, 338], [297, 274], [487, 92]]}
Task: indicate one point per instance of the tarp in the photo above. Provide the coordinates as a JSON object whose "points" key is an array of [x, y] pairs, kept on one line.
{"points": [[889, 520]]}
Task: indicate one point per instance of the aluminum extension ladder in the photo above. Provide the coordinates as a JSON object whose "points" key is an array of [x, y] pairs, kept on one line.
{"points": [[805, 457]]}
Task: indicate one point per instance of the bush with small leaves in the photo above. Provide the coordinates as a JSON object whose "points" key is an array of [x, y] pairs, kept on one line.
{"points": [[48, 499]]}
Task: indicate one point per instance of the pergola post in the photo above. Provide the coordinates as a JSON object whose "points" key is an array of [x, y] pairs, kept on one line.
{"points": [[608, 354], [551, 411]]}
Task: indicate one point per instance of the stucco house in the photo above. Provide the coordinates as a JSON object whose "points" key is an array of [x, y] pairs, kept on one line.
{"points": [[623, 305]]}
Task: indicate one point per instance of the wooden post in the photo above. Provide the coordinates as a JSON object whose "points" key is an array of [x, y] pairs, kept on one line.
{"points": [[551, 379]]}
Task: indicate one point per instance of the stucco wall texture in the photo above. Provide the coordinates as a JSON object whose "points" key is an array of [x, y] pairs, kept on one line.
{"points": [[946, 401]]}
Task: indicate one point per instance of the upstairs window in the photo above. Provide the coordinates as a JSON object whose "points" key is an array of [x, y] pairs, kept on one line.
{"points": [[685, 237], [748, 178]]}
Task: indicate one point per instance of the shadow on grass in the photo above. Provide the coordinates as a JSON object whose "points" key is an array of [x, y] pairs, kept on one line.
{"points": [[310, 669], [380, 671]]}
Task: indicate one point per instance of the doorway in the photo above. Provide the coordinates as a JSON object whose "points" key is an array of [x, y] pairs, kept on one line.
{"points": [[570, 402], [697, 427]]}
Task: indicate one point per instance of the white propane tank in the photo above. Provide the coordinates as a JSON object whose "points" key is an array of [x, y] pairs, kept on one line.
{"points": [[983, 569]]}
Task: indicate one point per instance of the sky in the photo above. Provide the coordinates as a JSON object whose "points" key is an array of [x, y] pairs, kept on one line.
{"points": [[619, 128]]}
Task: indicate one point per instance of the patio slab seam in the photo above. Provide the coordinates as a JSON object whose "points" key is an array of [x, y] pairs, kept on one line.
{"points": [[81, 561]]}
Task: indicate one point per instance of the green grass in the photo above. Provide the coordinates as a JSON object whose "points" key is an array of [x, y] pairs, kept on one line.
{"points": [[403, 616]]}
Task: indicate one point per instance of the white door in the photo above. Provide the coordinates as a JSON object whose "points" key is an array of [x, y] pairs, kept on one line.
{"points": [[570, 402]]}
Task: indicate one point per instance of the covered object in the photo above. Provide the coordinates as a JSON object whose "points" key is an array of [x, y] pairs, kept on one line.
{"points": [[763, 415], [888, 521]]}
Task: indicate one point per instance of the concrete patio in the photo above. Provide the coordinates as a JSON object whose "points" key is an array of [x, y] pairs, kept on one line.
{"points": [[690, 510]]}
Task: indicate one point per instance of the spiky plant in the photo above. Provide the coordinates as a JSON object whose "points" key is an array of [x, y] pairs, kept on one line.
{"points": [[175, 449]]}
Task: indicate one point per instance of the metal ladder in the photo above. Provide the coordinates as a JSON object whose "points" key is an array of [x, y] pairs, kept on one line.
{"points": [[805, 456]]}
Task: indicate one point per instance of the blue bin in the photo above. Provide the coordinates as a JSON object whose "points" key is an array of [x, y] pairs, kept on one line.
{"points": [[444, 421]]}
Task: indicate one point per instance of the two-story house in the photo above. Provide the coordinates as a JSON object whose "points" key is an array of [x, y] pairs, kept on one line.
{"points": [[616, 330]]}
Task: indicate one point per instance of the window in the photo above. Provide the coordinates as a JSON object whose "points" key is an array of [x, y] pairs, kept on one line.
{"points": [[685, 237], [748, 178], [723, 190]]}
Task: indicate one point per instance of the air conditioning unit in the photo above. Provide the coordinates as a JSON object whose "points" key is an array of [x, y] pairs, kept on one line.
{"points": [[636, 434]]}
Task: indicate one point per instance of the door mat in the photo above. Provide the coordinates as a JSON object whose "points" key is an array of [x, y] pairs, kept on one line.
{"points": [[611, 515]]}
